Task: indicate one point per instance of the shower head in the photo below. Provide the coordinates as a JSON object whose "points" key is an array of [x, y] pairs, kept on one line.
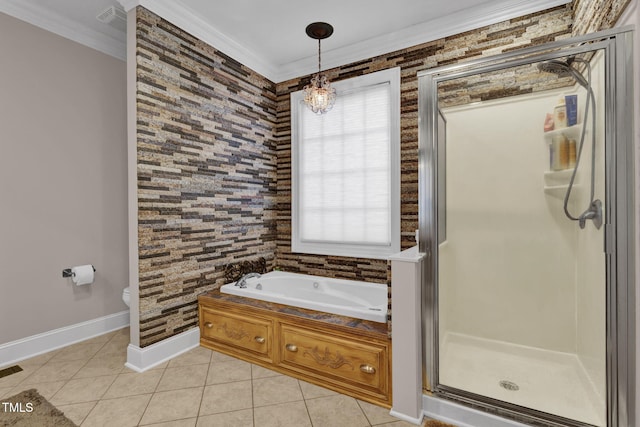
{"points": [[562, 69]]}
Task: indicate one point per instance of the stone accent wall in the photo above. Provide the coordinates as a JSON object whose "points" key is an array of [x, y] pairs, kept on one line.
{"points": [[505, 36], [595, 15], [206, 172], [214, 153]]}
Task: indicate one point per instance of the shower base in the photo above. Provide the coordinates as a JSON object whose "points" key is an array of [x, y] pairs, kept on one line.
{"points": [[543, 380]]}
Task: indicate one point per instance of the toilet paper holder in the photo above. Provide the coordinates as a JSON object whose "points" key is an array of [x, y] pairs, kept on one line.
{"points": [[68, 273]]}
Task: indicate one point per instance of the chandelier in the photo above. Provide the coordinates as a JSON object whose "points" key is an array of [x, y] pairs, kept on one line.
{"points": [[318, 94]]}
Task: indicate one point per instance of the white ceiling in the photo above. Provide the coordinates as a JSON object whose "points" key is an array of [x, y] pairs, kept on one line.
{"points": [[269, 35]]}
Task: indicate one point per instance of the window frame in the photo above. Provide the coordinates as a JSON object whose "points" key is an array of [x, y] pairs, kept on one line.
{"points": [[374, 251]]}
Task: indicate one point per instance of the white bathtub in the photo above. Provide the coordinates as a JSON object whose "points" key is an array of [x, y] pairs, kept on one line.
{"points": [[362, 300]]}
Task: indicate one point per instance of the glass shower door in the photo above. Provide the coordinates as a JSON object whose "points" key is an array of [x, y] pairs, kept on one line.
{"points": [[521, 270]]}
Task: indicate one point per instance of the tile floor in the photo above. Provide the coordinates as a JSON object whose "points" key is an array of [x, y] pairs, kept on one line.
{"points": [[203, 388]]}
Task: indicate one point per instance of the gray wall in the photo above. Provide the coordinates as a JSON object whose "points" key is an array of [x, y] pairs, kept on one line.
{"points": [[63, 180]]}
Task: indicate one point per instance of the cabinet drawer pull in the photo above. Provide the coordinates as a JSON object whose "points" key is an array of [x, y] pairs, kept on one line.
{"points": [[367, 369], [259, 340], [208, 325], [291, 347]]}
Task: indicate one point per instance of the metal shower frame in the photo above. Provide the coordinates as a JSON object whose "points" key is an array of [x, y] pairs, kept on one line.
{"points": [[619, 212]]}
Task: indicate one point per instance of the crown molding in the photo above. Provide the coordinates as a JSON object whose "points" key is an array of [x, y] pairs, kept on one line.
{"points": [[469, 19], [129, 4], [185, 18], [456, 23], [65, 27]]}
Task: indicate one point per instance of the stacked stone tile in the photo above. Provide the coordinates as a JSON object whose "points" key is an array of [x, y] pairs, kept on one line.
{"points": [[206, 172], [214, 152]]}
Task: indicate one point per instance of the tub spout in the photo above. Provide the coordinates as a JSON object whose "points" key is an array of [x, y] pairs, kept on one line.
{"points": [[242, 282]]}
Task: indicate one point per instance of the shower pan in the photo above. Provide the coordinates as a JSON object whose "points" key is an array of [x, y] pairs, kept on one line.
{"points": [[528, 293]]}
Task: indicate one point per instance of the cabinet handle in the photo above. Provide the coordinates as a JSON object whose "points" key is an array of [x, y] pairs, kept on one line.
{"points": [[367, 369], [291, 347], [259, 340], [208, 325]]}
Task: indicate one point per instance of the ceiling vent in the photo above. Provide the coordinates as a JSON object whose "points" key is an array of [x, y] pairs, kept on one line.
{"points": [[114, 16]]}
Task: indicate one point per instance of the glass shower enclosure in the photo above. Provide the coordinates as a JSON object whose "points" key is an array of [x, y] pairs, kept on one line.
{"points": [[526, 214]]}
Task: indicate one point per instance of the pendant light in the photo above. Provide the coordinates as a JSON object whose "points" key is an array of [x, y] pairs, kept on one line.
{"points": [[318, 94]]}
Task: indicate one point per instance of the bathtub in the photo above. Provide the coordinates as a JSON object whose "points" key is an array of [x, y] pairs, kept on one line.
{"points": [[362, 300]]}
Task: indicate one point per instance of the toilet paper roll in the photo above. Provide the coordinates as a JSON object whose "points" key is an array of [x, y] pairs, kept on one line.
{"points": [[82, 274]]}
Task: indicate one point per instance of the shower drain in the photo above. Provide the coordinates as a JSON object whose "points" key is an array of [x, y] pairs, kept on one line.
{"points": [[509, 385]]}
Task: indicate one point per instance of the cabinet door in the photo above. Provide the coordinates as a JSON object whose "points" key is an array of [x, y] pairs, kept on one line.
{"points": [[235, 330], [348, 362]]}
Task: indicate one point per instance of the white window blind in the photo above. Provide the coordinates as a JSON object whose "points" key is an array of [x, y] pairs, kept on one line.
{"points": [[346, 168]]}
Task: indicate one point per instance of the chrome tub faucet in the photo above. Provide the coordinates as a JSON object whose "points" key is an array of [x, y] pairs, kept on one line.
{"points": [[242, 282]]}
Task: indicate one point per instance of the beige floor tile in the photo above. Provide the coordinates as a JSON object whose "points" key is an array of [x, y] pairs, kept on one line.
{"points": [[6, 391], [335, 411], [219, 357], [376, 414], [311, 391], [82, 390], [260, 372], [291, 414], [243, 418], [53, 371], [226, 397], [396, 424], [46, 390], [100, 365], [173, 405], [195, 356], [183, 377], [272, 390], [133, 384], [189, 422], [162, 366], [115, 347], [18, 377], [229, 372], [122, 412], [80, 351], [77, 412]]}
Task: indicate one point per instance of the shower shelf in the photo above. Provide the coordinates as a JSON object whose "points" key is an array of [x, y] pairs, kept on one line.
{"points": [[556, 183], [571, 132]]}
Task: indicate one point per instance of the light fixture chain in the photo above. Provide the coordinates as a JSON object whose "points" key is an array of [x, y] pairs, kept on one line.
{"points": [[319, 61]]}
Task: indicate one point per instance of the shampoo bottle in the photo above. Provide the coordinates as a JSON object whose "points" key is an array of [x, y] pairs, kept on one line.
{"points": [[560, 115]]}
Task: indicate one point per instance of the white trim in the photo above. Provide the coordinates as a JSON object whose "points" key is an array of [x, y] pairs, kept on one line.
{"points": [[142, 359], [45, 342], [176, 12], [127, 5], [468, 19], [185, 18], [403, 417], [65, 27], [456, 23], [462, 416]]}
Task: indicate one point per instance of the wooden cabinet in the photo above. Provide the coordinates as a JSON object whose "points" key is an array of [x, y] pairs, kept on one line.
{"points": [[252, 336], [345, 359]]}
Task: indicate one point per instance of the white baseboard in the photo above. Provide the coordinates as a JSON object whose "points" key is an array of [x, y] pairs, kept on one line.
{"points": [[141, 359], [403, 417], [462, 416], [35, 345]]}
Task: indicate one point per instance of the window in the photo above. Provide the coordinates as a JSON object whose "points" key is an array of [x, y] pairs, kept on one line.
{"points": [[346, 170]]}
